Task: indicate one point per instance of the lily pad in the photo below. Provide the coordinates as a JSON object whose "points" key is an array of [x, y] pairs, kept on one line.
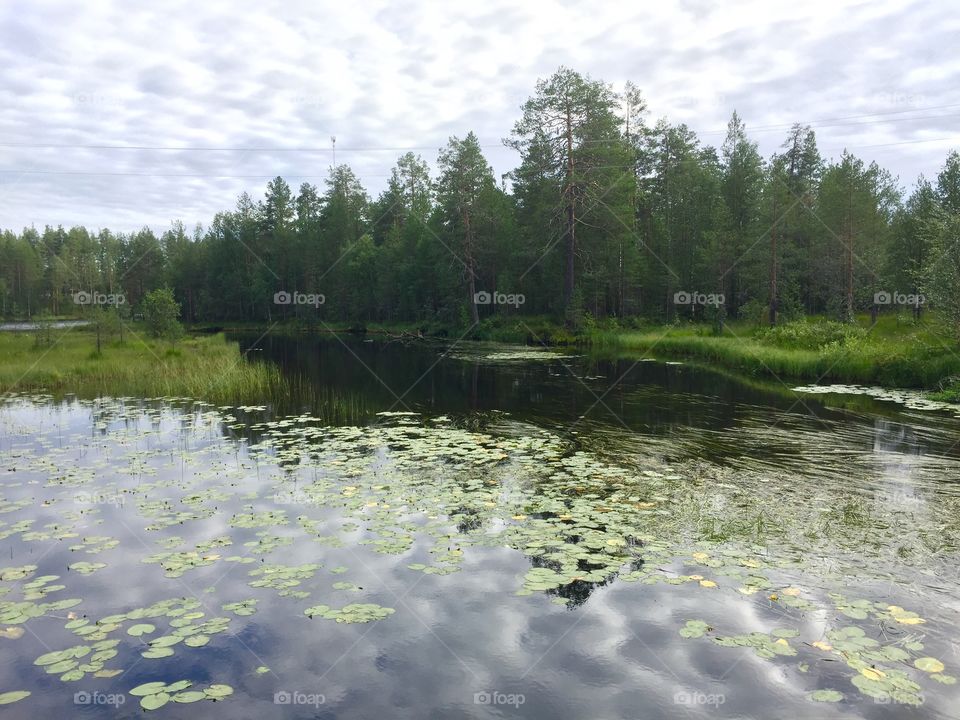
{"points": [[150, 688], [13, 696], [928, 664], [218, 691], [153, 702], [190, 696], [694, 629], [826, 696]]}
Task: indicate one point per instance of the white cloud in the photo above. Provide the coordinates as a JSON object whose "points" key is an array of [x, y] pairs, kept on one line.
{"points": [[382, 76]]}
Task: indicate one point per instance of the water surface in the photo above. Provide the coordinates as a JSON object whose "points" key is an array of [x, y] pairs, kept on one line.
{"points": [[467, 531]]}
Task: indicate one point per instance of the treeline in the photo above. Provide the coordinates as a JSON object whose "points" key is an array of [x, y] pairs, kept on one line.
{"points": [[607, 215]]}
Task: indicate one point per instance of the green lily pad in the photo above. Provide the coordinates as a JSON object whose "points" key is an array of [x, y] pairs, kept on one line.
{"points": [[353, 613], [694, 629], [191, 696], [153, 702], [140, 629], [784, 632], [150, 688], [928, 664], [218, 691], [13, 696], [826, 696]]}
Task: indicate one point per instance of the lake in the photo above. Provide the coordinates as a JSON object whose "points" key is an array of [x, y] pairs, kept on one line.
{"points": [[462, 530]]}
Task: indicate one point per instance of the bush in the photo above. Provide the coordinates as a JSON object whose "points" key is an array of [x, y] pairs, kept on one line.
{"points": [[43, 335], [160, 312], [811, 335]]}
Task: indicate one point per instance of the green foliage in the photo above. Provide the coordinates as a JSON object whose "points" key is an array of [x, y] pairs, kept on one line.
{"points": [[884, 354], [948, 389], [811, 334], [160, 312], [942, 277]]}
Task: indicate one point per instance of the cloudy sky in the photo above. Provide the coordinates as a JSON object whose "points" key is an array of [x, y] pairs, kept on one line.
{"points": [[210, 99]]}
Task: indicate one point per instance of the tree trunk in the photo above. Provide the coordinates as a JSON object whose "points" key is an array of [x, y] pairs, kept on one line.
{"points": [[773, 268], [850, 315], [620, 311], [850, 308], [571, 245], [471, 268]]}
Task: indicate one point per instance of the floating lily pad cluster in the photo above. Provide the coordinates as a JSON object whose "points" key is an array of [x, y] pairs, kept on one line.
{"points": [[18, 612], [242, 607], [875, 664], [85, 568], [283, 578], [186, 626], [95, 544], [176, 564], [73, 663], [154, 695], [353, 613], [267, 543]]}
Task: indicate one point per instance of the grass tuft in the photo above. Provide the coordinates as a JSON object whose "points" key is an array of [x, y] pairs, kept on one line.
{"points": [[207, 368]]}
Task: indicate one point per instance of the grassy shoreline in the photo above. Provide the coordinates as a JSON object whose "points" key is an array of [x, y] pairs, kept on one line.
{"points": [[203, 367], [891, 353]]}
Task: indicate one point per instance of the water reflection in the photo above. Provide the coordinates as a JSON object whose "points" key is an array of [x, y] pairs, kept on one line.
{"points": [[701, 481]]}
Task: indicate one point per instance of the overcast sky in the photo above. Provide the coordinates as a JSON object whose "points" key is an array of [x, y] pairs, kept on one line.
{"points": [[388, 76]]}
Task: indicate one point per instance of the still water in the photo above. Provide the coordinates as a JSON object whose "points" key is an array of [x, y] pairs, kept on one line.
{"points": [[470, 531]]}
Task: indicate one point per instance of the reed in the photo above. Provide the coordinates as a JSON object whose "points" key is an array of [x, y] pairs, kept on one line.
{"points": [[890, 354], [206, 367]]}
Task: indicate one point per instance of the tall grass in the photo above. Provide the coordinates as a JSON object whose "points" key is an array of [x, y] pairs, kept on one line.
{"points": [[891, 353], [207, 368]]}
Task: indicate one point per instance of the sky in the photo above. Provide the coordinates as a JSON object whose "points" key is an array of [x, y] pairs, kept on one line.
{"points": [[125, 114]]}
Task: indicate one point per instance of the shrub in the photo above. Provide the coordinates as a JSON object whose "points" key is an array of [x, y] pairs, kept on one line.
{"points": [[160, 312], [811, 335]]}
